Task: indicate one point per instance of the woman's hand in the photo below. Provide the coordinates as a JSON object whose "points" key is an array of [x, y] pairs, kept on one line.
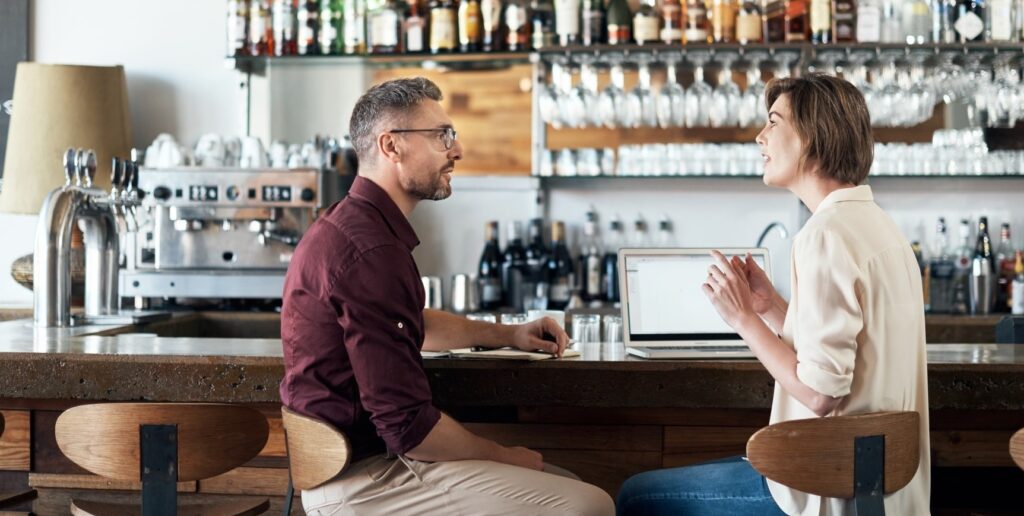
{"points": [[729, 291], [762, 293]]}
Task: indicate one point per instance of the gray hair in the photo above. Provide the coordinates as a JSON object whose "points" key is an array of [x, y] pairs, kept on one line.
{"points": [[382, 103]]}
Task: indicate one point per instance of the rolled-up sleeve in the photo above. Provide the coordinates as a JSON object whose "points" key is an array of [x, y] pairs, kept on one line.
{"points": [[829, 315], [377, 300]]}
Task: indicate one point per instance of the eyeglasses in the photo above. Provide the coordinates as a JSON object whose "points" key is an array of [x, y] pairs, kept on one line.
{"points": [[448, 134]]}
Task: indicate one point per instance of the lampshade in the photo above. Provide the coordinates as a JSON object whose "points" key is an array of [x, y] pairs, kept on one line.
{"points": [[56, 107]]}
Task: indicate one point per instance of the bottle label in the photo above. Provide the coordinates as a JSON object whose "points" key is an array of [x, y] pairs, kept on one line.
{"points": [[490, 11], [645, 28], [354, 30], [869, 24], [969, 25], [490, 290], [1017, 297], [748, 27], [618, 34], [696, 23], [567, 17], [821, 15], [515, 19], [594, 276], [469, 23], [1001, 19], [559, 291], [414, 38], [384, 27], [442, 29]]}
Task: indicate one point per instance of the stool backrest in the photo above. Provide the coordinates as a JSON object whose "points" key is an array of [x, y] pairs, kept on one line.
{"points": [[212, 438], [317, 451], [1017, 448], [817, 455]]}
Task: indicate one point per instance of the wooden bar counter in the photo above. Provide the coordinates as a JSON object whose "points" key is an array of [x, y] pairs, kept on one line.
{"points": [[603, 415]]}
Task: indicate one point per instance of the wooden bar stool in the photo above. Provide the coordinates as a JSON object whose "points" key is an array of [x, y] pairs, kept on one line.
{"points": [[317, 452], [161, 444], [860, 457], [10, 499], [1017, 448]]}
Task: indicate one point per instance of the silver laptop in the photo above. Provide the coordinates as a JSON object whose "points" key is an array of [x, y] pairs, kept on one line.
{"points": [[665, 312]]}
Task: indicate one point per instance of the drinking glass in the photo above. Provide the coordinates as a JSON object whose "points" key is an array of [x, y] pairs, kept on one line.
{"points": [[547, 97], [698, 97], [671, 101], [726, 96], [640, 102], [922, 92], [516, 318], [612, 101], [586, 328], [751, 112], [570, 105], [586, 92], [613, 329]]}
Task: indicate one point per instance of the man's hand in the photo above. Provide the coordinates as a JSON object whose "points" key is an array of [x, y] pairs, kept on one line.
{"points": [[522, 457], [543, 334]]}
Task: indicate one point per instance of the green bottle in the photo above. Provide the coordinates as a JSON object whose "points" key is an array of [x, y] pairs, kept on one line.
{"points": [[332, 25]]}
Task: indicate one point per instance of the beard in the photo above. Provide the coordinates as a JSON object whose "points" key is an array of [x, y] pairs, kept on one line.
{"points": [[431, 188]]}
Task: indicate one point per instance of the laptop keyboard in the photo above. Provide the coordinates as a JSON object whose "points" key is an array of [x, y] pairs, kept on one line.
{"points": [[701, 348]]}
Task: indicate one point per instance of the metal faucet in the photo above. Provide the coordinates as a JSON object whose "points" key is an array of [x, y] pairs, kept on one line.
{"points": [[97, 214], [783, 232]]}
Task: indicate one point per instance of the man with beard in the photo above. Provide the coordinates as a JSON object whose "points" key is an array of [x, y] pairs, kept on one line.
{"points": [[353, 325]]}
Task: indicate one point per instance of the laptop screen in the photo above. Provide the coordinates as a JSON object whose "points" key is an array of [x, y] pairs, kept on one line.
{"points": [[663, 296]]}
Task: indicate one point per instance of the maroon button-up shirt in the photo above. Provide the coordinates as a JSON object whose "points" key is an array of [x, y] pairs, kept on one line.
{"points": [[352, 325]]}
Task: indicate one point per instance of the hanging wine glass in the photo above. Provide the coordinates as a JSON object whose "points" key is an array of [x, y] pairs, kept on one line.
{"points": [[698, 96], [725, 98], [922, 92], [586, 92], [570, 105], [612, 100], [752, 112], [671, 100], [640, 102], [547, 97]]}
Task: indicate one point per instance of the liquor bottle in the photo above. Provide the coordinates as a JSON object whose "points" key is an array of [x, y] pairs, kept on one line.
{"points": [[723, 21], [917, 21], [797, 23], [892, 30], [593, 23], [983, 271], [1004, 266], [1017, 288], [962, 275], [941, 271], [414, 30], [567, 21], [1001, 15], [542, 24], [261, 28], [443, 29], [774, 26], [869, 21], [517, 25], [355, 26], [559, 269], [308, 17], [666, 237], [535, 285], [671, 22], [470, 26], [620, 23], [514, 268], [969, 20], [590, 258], [844, 21], [821, 21], [646, 23], [332, 22], [237, 28], [384, 28], [696, 22], [489, 270], [610, 262], [490, 18], [749, 23]]}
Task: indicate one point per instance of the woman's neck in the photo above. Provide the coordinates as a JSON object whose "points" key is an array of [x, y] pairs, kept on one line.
{"points": [[812, 189]]}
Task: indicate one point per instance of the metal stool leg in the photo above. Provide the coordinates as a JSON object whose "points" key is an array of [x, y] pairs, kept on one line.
{"points": [[288, 496], [869, 475]]}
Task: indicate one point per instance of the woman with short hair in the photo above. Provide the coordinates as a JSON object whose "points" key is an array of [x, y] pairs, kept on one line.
{"points": [[851, 339]]}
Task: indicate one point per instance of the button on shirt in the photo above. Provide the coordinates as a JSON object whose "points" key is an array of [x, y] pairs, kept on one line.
{"points": [[352, 325], [856, 322]]}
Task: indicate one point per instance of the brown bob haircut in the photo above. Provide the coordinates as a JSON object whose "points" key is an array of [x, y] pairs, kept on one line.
{"points": [[832, 119]]}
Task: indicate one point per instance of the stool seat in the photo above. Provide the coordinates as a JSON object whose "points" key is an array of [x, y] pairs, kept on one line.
{"points": [[235, 508], [1017, 448]]}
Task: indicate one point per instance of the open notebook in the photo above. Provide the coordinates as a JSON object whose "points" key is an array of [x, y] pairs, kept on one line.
{"points": [[500, 353]]}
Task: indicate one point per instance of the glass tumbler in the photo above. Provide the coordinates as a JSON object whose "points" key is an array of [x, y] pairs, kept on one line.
{"points": [[586, 328]]}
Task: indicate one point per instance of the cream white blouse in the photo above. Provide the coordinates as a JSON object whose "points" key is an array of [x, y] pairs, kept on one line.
{"points": [[856, 322]]}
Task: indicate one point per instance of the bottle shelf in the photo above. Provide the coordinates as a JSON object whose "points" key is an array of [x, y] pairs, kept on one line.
{"points": [[451, 60], [556, 181]]}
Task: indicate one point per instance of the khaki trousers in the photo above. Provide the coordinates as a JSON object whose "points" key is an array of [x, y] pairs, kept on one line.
{"points": [[402, 486]]}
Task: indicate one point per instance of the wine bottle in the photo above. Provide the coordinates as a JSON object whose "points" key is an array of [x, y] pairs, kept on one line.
{"points": [[489, 270]]}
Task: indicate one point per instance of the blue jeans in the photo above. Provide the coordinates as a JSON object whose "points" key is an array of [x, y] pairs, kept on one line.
{"points": [[727, 487]]}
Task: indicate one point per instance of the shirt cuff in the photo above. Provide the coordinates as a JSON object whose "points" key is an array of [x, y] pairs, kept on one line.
{"points": [[822, 381], [421, 425]]}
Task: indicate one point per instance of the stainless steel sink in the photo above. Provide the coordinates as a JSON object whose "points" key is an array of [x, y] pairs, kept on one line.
{"points": [[217, 325]]}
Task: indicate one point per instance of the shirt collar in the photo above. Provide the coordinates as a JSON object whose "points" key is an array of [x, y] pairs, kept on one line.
{"points": [[856, 193], [372, 193]]}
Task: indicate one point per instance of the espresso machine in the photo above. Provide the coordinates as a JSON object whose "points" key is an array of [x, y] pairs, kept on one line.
{"points": [[218, 233]]}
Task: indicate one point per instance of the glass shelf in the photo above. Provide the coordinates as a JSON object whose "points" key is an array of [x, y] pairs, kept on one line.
{"points": [[778, 47], [452, 60]]}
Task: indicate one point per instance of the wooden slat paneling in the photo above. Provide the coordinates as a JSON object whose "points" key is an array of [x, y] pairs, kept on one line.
{"points": [[971, 449], [572, 437], [51, 480], [248, 481], [691, 445], [644, 416], [16, 441]]}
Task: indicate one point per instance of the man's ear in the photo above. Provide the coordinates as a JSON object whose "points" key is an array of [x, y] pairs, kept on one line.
{"points": [[389, 146]]}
